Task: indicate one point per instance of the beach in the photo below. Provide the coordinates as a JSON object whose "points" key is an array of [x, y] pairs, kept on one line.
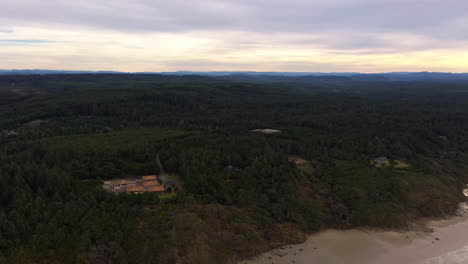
{"points": [[442, 241]]}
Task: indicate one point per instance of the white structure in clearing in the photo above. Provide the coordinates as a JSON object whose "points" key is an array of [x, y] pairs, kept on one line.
{"points": [[267, 131]]}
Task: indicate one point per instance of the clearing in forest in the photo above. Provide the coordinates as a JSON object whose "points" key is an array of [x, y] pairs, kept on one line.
{"points": [[267, 131], [301, 163], [383, 162], [401, 165]]}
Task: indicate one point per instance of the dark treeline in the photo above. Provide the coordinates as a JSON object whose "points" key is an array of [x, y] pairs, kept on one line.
{"points": [[62, 135]]}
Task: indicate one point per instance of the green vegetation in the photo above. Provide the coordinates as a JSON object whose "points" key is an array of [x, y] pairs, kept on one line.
{"points": [[240, 195], [401, 164]]}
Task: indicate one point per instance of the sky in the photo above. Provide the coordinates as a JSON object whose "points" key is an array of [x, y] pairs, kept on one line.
{"points": [[235, 35]]}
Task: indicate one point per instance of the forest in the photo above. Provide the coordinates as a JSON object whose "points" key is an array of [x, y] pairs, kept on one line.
{"points": [[242, 193]]}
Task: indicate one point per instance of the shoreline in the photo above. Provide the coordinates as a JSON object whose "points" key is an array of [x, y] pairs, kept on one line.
{"points": [[430, 242]]}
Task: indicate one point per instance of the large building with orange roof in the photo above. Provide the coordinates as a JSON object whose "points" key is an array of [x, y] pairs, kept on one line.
{"points": [[158, 188], [147, 183], [151, 183], [135, 189], [149, 177]]}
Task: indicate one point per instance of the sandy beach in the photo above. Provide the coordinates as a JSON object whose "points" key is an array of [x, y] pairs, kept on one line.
{"points": [[444, 241]]}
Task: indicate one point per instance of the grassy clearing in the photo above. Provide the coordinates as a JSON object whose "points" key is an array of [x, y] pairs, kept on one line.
{"points": [[397, 164], [380, 165], [401, 165], [302, 164], [166, 196], [306, 168]]}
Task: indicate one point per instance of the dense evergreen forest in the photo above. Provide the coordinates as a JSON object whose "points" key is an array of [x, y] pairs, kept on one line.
{"points": [[241, 192]]}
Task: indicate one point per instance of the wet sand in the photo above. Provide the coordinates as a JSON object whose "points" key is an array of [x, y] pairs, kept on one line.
{"points": [[444, 241]]}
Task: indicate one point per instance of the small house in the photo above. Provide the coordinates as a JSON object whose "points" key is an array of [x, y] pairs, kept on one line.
{"points": [[121, 183], [267, 131], [382, 160], [231, 169]]}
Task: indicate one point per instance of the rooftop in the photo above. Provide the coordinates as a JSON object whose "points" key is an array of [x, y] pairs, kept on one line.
{"points": [[149, 177], [135, 189], [151, 183], [155, 189], [122, 182], [267, 131], [382, 159]]}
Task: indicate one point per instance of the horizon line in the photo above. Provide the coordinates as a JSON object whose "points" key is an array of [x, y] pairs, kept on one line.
{"points": [[228, 71]]}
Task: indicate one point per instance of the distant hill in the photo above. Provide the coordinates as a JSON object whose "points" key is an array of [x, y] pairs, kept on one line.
{"points": [[44, 72], [204, 73], [432, 76], [300, 77]]}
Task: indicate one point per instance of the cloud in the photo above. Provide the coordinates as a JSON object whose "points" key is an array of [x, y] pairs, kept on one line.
{"points": [[417, 16], [267, 34], [23, 42], [8, 31], [341, 24]]}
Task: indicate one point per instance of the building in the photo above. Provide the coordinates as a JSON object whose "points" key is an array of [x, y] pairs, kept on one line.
{"points": [[231, 169], [149, 177], [122, 183], [135, 189], [148, 183], [266, 131], [151, 183], [382, 160], [157, 189]]}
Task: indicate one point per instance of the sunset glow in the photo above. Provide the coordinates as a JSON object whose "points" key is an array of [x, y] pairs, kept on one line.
{"points": [[312, 36]]}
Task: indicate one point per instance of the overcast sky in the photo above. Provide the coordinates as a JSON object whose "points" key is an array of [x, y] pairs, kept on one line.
{"points": [[260, 35]]}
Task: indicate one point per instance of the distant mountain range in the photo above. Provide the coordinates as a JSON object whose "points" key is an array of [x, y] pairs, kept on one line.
{"points": [[44, 72], [280, 76]]}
